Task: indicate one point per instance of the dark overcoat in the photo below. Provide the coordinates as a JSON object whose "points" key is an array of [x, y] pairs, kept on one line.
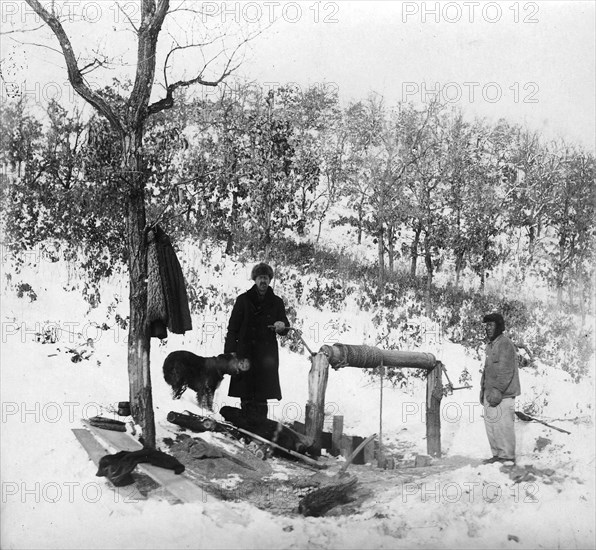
{"points": [[249, 336]]}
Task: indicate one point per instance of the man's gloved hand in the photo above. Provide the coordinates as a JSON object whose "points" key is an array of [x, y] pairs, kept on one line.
{"points": [[279, 326]]}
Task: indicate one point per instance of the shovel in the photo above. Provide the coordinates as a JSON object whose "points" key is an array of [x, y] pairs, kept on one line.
{"points": [[526, 418]]}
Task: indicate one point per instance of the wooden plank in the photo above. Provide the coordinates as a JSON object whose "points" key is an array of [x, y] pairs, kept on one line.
{"points": [[338, 428], [129, 493], [178, 485], [346, 445], [90, 444]]}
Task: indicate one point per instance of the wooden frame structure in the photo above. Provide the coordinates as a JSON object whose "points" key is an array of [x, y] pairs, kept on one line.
{"points": [[343, 355]]}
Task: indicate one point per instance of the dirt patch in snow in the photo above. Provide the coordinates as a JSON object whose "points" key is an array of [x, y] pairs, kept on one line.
{"points": [[226, 470]]}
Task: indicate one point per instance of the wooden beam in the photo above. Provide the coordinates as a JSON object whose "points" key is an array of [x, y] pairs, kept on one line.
{"points": [[434, 394], [315, 407]]}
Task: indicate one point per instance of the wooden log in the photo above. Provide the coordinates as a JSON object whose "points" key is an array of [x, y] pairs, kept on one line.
{"points": [[345, 355], [408, 359], [434, 394], [338, 428], [315, 407]]}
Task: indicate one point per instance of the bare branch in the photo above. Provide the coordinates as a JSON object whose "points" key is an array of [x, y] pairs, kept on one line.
{"points": [[91, 66], [190, 10], [168, 101], [127, 17], [23, 43], [74, 74], [22, 30]]}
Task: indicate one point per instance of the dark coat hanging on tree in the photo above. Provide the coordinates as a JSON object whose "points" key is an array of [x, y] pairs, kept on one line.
{"points": [[167, 300]]}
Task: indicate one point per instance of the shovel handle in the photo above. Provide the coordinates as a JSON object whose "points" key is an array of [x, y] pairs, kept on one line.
{"points": [[553, 427], [351, 458]]}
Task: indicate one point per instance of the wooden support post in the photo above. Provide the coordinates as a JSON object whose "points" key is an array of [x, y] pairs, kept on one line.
{"points": [[315, 407], [434, 394], [381, 455], [338, 429]]}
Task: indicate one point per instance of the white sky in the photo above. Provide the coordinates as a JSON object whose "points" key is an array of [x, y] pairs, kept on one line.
{"points": [[530, 62]]}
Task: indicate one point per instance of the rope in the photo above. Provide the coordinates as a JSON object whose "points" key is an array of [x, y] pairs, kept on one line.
{"points": [[381, 450], [366, 357]]}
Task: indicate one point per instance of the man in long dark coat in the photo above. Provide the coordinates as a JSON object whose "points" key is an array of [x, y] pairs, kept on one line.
{"points": [[257, 317]]}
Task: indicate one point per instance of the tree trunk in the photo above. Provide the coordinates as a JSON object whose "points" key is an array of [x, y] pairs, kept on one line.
{"points": [[391, 248], [233, 223], [139, 339], [582, 305], [531, 244], [360, 221], [459, 262], [320, 221], [560, 277], [414, 250], [429, 281], [381, 253]]}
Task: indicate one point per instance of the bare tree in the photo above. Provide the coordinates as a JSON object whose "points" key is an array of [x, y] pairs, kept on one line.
{"points": [[129, 124]]}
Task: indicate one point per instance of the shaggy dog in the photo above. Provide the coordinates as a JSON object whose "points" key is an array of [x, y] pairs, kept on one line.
{"points": [[184, 369]]}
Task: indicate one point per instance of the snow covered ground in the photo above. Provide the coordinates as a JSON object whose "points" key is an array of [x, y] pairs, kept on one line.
{"points": [[52, 499]]}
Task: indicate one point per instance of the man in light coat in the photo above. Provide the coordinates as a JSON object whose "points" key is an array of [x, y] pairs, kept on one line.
{"points": [[499, 388]]}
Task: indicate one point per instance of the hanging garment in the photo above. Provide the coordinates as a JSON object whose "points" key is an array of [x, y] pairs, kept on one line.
{"points": [[172, 288]]}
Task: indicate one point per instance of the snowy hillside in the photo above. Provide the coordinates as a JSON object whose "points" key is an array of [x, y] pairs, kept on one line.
{"points": [[51, 497]]}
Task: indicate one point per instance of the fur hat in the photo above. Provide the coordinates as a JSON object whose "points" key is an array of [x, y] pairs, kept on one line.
{"points": [[261, 269], [498, 320]]}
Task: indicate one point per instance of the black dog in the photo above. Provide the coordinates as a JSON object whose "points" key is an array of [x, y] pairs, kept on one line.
{"points": [[184, 369]]}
